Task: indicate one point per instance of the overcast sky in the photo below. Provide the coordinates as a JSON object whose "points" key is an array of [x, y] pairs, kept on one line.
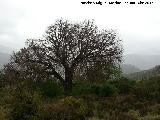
{"points": [[137, 25]]}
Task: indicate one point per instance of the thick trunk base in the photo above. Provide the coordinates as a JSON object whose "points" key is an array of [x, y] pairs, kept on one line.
{"points": [[67, 87], [68, 82]]}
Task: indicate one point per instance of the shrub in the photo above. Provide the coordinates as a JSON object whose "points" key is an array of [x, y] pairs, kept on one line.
{"points": [[4, 113], [135, 114], [107, 90], [2, 81], [111, 107], [123, 85], [50, 89], [125, 116], [86, 88], [25, 105], [95, 89], [143, 107], [6, 99], [155, 109], [150, 117], [148, 89], [81, 88], [5, 96], [68, 108]]}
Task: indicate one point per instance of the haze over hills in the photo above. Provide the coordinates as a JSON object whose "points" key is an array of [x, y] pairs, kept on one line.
{"points": [[155, 71], [4, 58], [5, 53], [143, 62], [128, 69]]}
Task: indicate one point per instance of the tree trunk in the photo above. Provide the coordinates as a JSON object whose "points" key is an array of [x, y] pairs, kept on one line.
{"points": [[68, 81]]}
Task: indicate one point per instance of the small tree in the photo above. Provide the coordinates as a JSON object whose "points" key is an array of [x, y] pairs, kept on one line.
{"points": [[68, 46]]}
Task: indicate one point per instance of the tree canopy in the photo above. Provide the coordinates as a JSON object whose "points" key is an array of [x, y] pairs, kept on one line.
{"points": [[65, 47]]}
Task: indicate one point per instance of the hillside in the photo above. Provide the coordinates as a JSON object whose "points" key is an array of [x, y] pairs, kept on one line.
{"points": [[143, 62], [145, 74], [128, 69]]}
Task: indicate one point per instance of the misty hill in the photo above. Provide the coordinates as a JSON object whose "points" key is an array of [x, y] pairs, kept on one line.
{"points": [[143, 62], [155, 71], [4, 58], [128, 68]]}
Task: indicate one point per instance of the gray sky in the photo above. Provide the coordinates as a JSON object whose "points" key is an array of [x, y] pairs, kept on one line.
{"points": [[137, 25]]}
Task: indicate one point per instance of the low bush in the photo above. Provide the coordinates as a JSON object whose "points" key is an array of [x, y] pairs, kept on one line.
{"points": [[4, 113], [25, 105], [155, 109], [68, 108], [123, 85], [148, 89], [107, 90], [143, 107], [50, 89], [112, 106], [150, 117], [2, 81], [81, 88], [86, 88]]}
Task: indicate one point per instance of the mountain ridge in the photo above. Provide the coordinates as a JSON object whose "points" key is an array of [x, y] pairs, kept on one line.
{"points": [[128, 69], [144, 62], [145, 74]]}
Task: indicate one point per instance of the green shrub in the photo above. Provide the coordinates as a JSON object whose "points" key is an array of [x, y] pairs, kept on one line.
{"points": [[107, 90], [6, 99], [95, 89], [148, 89], [81, 88], [25, 105], [86, 88], [123, 85], [5, 96], [50, 89]]}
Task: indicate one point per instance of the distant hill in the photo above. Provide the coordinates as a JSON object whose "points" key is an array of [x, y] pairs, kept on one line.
{"points": [[4, 58], [128, 69], [155, 71], [143, 62]]}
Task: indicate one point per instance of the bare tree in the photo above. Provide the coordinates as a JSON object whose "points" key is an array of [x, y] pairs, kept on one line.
{"points": [[67, 46]]}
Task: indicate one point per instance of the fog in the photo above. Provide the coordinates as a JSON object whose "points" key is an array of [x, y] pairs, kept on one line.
{"points": [[138, 25]]}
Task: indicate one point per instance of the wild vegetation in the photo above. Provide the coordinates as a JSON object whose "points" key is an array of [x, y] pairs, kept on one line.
{"points": [[74, 73]]}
